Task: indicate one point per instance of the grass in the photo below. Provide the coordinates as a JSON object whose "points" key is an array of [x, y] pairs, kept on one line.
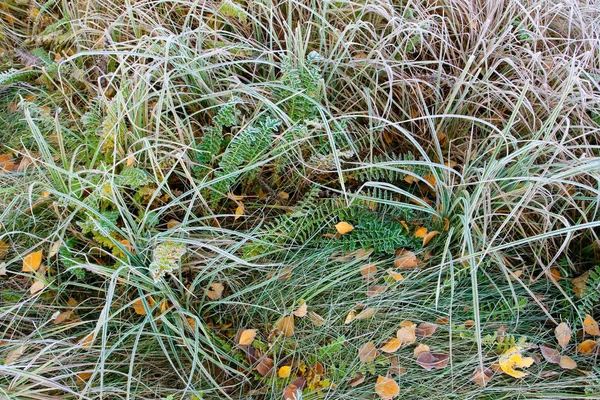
{"points": [[243, 131]]}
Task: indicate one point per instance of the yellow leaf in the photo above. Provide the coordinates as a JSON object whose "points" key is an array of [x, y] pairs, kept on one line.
{"points": [[343, 228], [421, 232], [386, 388], [84, 376], [247, 337], [130, 160], [512, 359], [590, 326], [3, 249], [391, 345], [239, 211], [286, 325], [395, 275], [429, 236], [587, 346], [37, 287], [32, 261], [368, 271], [216, 291], [367, 352], [567, 362], [284, 372], [563, 334], [422, 348], [283, 195], [406, 334], [138, 305], [350, 317], [302, 310]]}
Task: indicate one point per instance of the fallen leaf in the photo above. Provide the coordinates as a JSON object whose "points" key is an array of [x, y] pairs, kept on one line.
{"points": [[591, 326], [265, 366], [37, 287], [395, 368], [32, 261], [192, 323], [368, 271], [343, 228], [512, 359], [173, 223], [386, 388], [216, 291], [247, 337], [87, 340], [286, 325], [130, 160], [421, 348], [7, 162], [469, 323], [235, 197], [549, 374], [284, 372], [580, 284], [482, 376], [446, 223], [356, 380], [396, 276], [405, 260], [555, 274], [366, 313], [316, 319], [429, 177], [2, 268], [421, 232], [15, 354], [376, 290], [410, 179], [587, 346], [550, 355], [426, 329], [407, 334], [367, 352], [302, 310], [299, 382], [442, 321], [138, 305], [283, 195], [563, 334], [84, 376], [63, 316], [54, 249], [427, 238], [391, 345], [431, 361], [3, 249], [239, 211], [292, 392], [567, 362]]}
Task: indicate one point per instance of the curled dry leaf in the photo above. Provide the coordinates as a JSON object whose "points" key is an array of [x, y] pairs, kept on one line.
{"points": [[32, 261], [343, 227], [63, 316], [239, 211], [284, 372], [442, 321], [376, 290], [395, 368], [302, 310], [316, 319], [396, 276], [138, 305], [591, 326], [406, 334], [391, 345], [563, 334], [350, 317], [216, 291], [426, 329], [15, 354], [356, 380], [579, 284], [567, 362], [421, 232], [54, 249], [366, 313], [292, 392], [368, 271], [421, 348], [247, 337], [87, 340], [587, 346], [3, 249], [266, 366], [512, 359], [431, 361], [429, 236], [286, 325], [406, 260], [550, 355], [367, 352], [386, 388], [482, 376], [37, 287]]}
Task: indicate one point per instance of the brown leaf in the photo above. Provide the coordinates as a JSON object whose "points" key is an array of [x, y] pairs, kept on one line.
{"points": [[138, 305], [316, 319], [15, 354], [343, 228], [266, 366], [469, 323], [54, 249], [302, 310], [3, 249], [442, 321], [376, 290], [550, 355], [350, 317], [426, 329], [395, 368], [563, 334], [421, 348], [299, 382], [88, 340], [580, 284], [247, 337], [429, 236], [216, 291], [368, 271], [84, 376], [239, 211], [32, 261], [357, 380], [481, 377], [63, 316], [37, 287], [367, 352], [407, 334], [391, 345], [396, 276], [431, 361], [7, 163], [591, 326], [366, 313], [567, 362], [405, 260], [292, 392], [386, 388], [286, 325], [587, 346]]}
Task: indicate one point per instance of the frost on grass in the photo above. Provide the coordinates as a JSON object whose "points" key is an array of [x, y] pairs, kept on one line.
{"points": [[166, 258]]}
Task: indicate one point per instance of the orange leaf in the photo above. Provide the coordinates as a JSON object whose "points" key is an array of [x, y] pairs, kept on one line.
{"points": [[405, 260], [343, 228], [302, 310], [429, 236], [391, 345], [239, 211], [6, 162], [84, 376], [63, 316], [138, 305], [247, 337], [32, 261], [88, 340], [368, 271], [421, 232], [406, 334], [216, 291], [396, 276], [591, 326], [366, 313], [3, 249], [386, 388], [567, 362], [286, 325], [587, 346], [367, 352]]}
